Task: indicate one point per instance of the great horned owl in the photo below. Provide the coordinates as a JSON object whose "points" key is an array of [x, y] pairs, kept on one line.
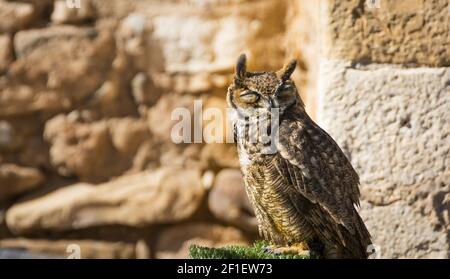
{"points": [[306, 191]]}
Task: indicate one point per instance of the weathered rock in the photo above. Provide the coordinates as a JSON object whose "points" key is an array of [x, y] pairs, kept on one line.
{"points": [[18, 100], [387, 31], [144, 91], [217, 126], [131, 37], [42, 9], [229, 203], [84, 150], [220, 155], [15, 180], [303, 34], [393, 124], [15, 16], [6, 52], [61, 56], [174, 242], [117, 8], [94, 151], [128, 134], [164, 196], [400, 231], [73, 249], [21, 142], [199, 42], [183, 156], [170, 110], [7, 136], [63, 13]]}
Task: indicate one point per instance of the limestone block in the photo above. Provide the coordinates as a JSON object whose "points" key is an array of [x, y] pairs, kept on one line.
{"points": [[387, 31], [393, 124]]}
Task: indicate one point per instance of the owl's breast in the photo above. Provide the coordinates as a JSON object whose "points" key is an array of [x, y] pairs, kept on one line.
{"points": [[276, 202]]}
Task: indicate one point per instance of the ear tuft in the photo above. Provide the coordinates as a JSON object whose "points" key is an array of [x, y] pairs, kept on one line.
{"points": [[287, 70], [241, 67]]}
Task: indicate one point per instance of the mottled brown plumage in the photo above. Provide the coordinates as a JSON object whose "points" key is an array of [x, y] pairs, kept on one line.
{"points": [[307, 190]]}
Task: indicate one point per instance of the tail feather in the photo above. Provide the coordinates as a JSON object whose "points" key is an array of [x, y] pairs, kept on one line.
{"points": [[337, 240]]}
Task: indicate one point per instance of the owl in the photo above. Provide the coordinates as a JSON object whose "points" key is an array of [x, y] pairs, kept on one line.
{"points": [[305, 192]]}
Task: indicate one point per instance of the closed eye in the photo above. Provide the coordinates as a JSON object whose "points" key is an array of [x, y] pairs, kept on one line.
{"points": [[249, 96]]}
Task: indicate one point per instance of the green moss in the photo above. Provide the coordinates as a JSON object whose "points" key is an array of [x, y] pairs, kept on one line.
{"points": [[256, 251]]}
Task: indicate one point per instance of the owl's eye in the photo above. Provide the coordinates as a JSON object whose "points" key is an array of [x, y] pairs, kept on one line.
{"points": [[249, 96]]}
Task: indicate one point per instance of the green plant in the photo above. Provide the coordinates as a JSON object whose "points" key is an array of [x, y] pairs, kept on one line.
{"points": [[257, 251]]}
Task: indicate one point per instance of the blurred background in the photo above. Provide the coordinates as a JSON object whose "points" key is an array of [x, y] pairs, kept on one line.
{"points": [[87, 165]]}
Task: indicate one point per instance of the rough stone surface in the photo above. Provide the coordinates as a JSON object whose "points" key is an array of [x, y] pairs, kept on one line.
{"points": [[161, 122], [200, 42], [163, 196], [88, 249], [93, 151], [15, 15], [15, 180], [393, 124], [401, 232], [229, 203], [174, 242], [61, 56], [62, 13], [388, 31], [87, 95], [220, 155], [303, 25], [6, 53]]}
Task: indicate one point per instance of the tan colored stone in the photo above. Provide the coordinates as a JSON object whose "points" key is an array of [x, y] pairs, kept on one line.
{"points": [[180, 155], [174, 242], [15, 16], [164, 196], [8, 137], [82, 149], [62, 13], [389, 31], [15, 180], [392, 122], [6, 52], [199, 42], [61, 56], [24, 100], [228, 201], [144, 91], [303, 34], [94, 151], [400, 231], [128, 134], [131, 37], [220, 155], [21, 142], [217, 127], [160, 116], [88, 249]]}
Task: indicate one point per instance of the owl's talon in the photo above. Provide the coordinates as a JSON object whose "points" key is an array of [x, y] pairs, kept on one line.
{"points": [[272, 250], [289, 250]]}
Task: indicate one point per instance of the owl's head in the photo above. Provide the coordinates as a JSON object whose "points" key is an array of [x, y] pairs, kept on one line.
{"points": [[263, 90]]}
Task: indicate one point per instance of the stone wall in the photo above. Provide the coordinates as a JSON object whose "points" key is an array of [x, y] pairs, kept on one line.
{"points": [[86, 96], [384, 95]]}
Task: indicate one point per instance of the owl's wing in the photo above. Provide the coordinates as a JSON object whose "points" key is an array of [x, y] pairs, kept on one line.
{"points": [[311, 161]]}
